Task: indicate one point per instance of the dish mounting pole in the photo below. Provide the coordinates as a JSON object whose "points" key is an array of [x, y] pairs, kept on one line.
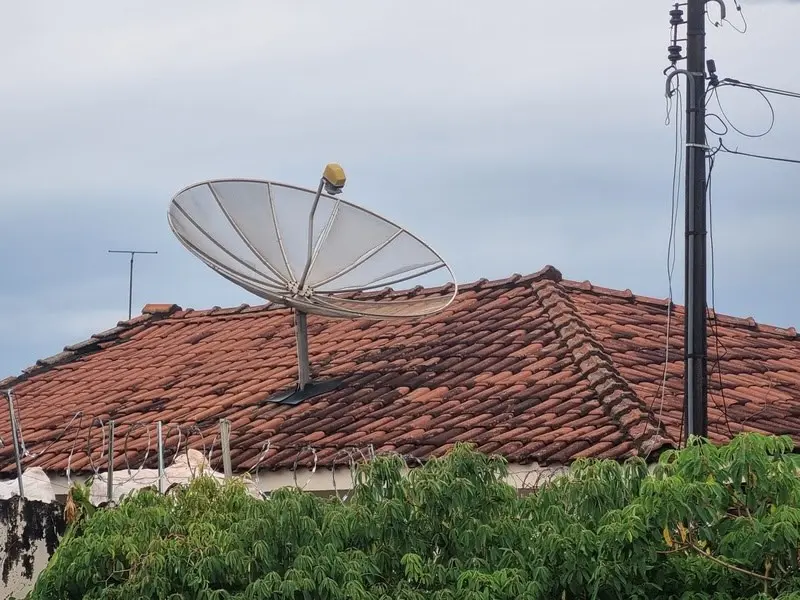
{"points": [[301, 335], [332, 181]]}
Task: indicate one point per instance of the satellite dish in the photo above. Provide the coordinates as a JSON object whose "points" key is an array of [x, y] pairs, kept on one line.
{"points": [[308, 250]]}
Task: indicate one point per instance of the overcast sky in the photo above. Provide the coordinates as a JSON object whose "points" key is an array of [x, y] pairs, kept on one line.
{"points": [[509, 135]]}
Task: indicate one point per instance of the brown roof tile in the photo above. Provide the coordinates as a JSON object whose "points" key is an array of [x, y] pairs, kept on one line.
{"points": [[535, 367]]}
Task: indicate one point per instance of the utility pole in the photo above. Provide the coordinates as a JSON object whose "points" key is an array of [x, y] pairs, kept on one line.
{"points": [[695, 335], [133, 253], [695, 358]]}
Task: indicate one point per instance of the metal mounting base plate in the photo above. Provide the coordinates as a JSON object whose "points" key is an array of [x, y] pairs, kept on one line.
{"points": [[296, 395]]}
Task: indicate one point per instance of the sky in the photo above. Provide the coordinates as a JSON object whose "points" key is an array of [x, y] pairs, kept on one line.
{"points": [[508, 135]]}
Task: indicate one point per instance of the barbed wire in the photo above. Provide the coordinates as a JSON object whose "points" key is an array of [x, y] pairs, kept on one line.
{"points": [[194, 428], [351, 463], [265, 448], [147, 449], [72, 449], [536, 478], [32, 455], [313, 468], [89, 446], [135, 451]]}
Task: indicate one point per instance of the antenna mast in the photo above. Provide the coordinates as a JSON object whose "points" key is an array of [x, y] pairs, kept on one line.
{"points": [[133, 253]]}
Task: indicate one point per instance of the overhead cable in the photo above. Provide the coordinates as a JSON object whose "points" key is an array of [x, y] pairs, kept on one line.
{"points": [[759, 88], [723, 148]]}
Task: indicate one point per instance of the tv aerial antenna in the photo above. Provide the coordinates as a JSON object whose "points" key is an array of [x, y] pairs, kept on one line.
{"points": [[310, 251], [133, 254]]}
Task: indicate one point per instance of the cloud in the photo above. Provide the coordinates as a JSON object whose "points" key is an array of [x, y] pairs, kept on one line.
{"points": [[507, 136]]}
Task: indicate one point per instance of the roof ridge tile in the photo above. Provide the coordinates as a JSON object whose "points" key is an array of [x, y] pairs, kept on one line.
{"points": [[109, 333], [789, 332], [588, 286], [548, 273], [598, 368], [218, 311], [160, 309], [745, 322]]}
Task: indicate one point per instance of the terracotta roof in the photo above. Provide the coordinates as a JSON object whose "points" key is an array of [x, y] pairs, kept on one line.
{"points": [[536, 368]]}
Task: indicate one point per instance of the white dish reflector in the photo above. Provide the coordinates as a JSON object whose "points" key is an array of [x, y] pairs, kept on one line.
{"points": [[273, 240]]}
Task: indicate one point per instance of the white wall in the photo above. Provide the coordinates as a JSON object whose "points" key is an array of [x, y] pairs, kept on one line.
{"points": [[29, 533], [30, 529], [320, 481]]}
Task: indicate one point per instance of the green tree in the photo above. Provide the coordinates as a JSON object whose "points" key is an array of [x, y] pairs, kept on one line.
{"points": [[705, 522]]}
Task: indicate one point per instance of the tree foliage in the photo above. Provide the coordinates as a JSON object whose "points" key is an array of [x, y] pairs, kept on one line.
{"points": [[705, 522]]}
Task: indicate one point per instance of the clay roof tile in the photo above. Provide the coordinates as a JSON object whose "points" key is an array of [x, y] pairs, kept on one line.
{"points": [[536, 367]]}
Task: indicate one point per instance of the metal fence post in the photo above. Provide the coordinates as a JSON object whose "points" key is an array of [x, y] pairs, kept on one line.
{"points": [[110, 481], [160, 458], [225, 442], [15, 438]]}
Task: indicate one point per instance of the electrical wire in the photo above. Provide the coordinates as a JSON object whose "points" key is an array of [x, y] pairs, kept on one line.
{"points": [[714, 131], [727, 123], [728, 81], [723, 148], [709, 95], [711, 91], [676, 172], [720, 349], [736, 129], [715, 322], [743, 30], [672, 257], [677, 169], [671, 267]]}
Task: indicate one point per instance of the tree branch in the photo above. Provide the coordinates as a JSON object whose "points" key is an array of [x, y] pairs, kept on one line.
{"points": [[729, 565]]}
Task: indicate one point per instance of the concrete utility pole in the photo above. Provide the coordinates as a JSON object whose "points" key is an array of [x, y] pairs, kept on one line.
{"points": [[695, 335]]}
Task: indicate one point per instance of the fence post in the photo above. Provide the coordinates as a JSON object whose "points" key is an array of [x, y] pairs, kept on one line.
{"points": [[15, 439], [110, 481], [160, 458], [225, 442]]}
